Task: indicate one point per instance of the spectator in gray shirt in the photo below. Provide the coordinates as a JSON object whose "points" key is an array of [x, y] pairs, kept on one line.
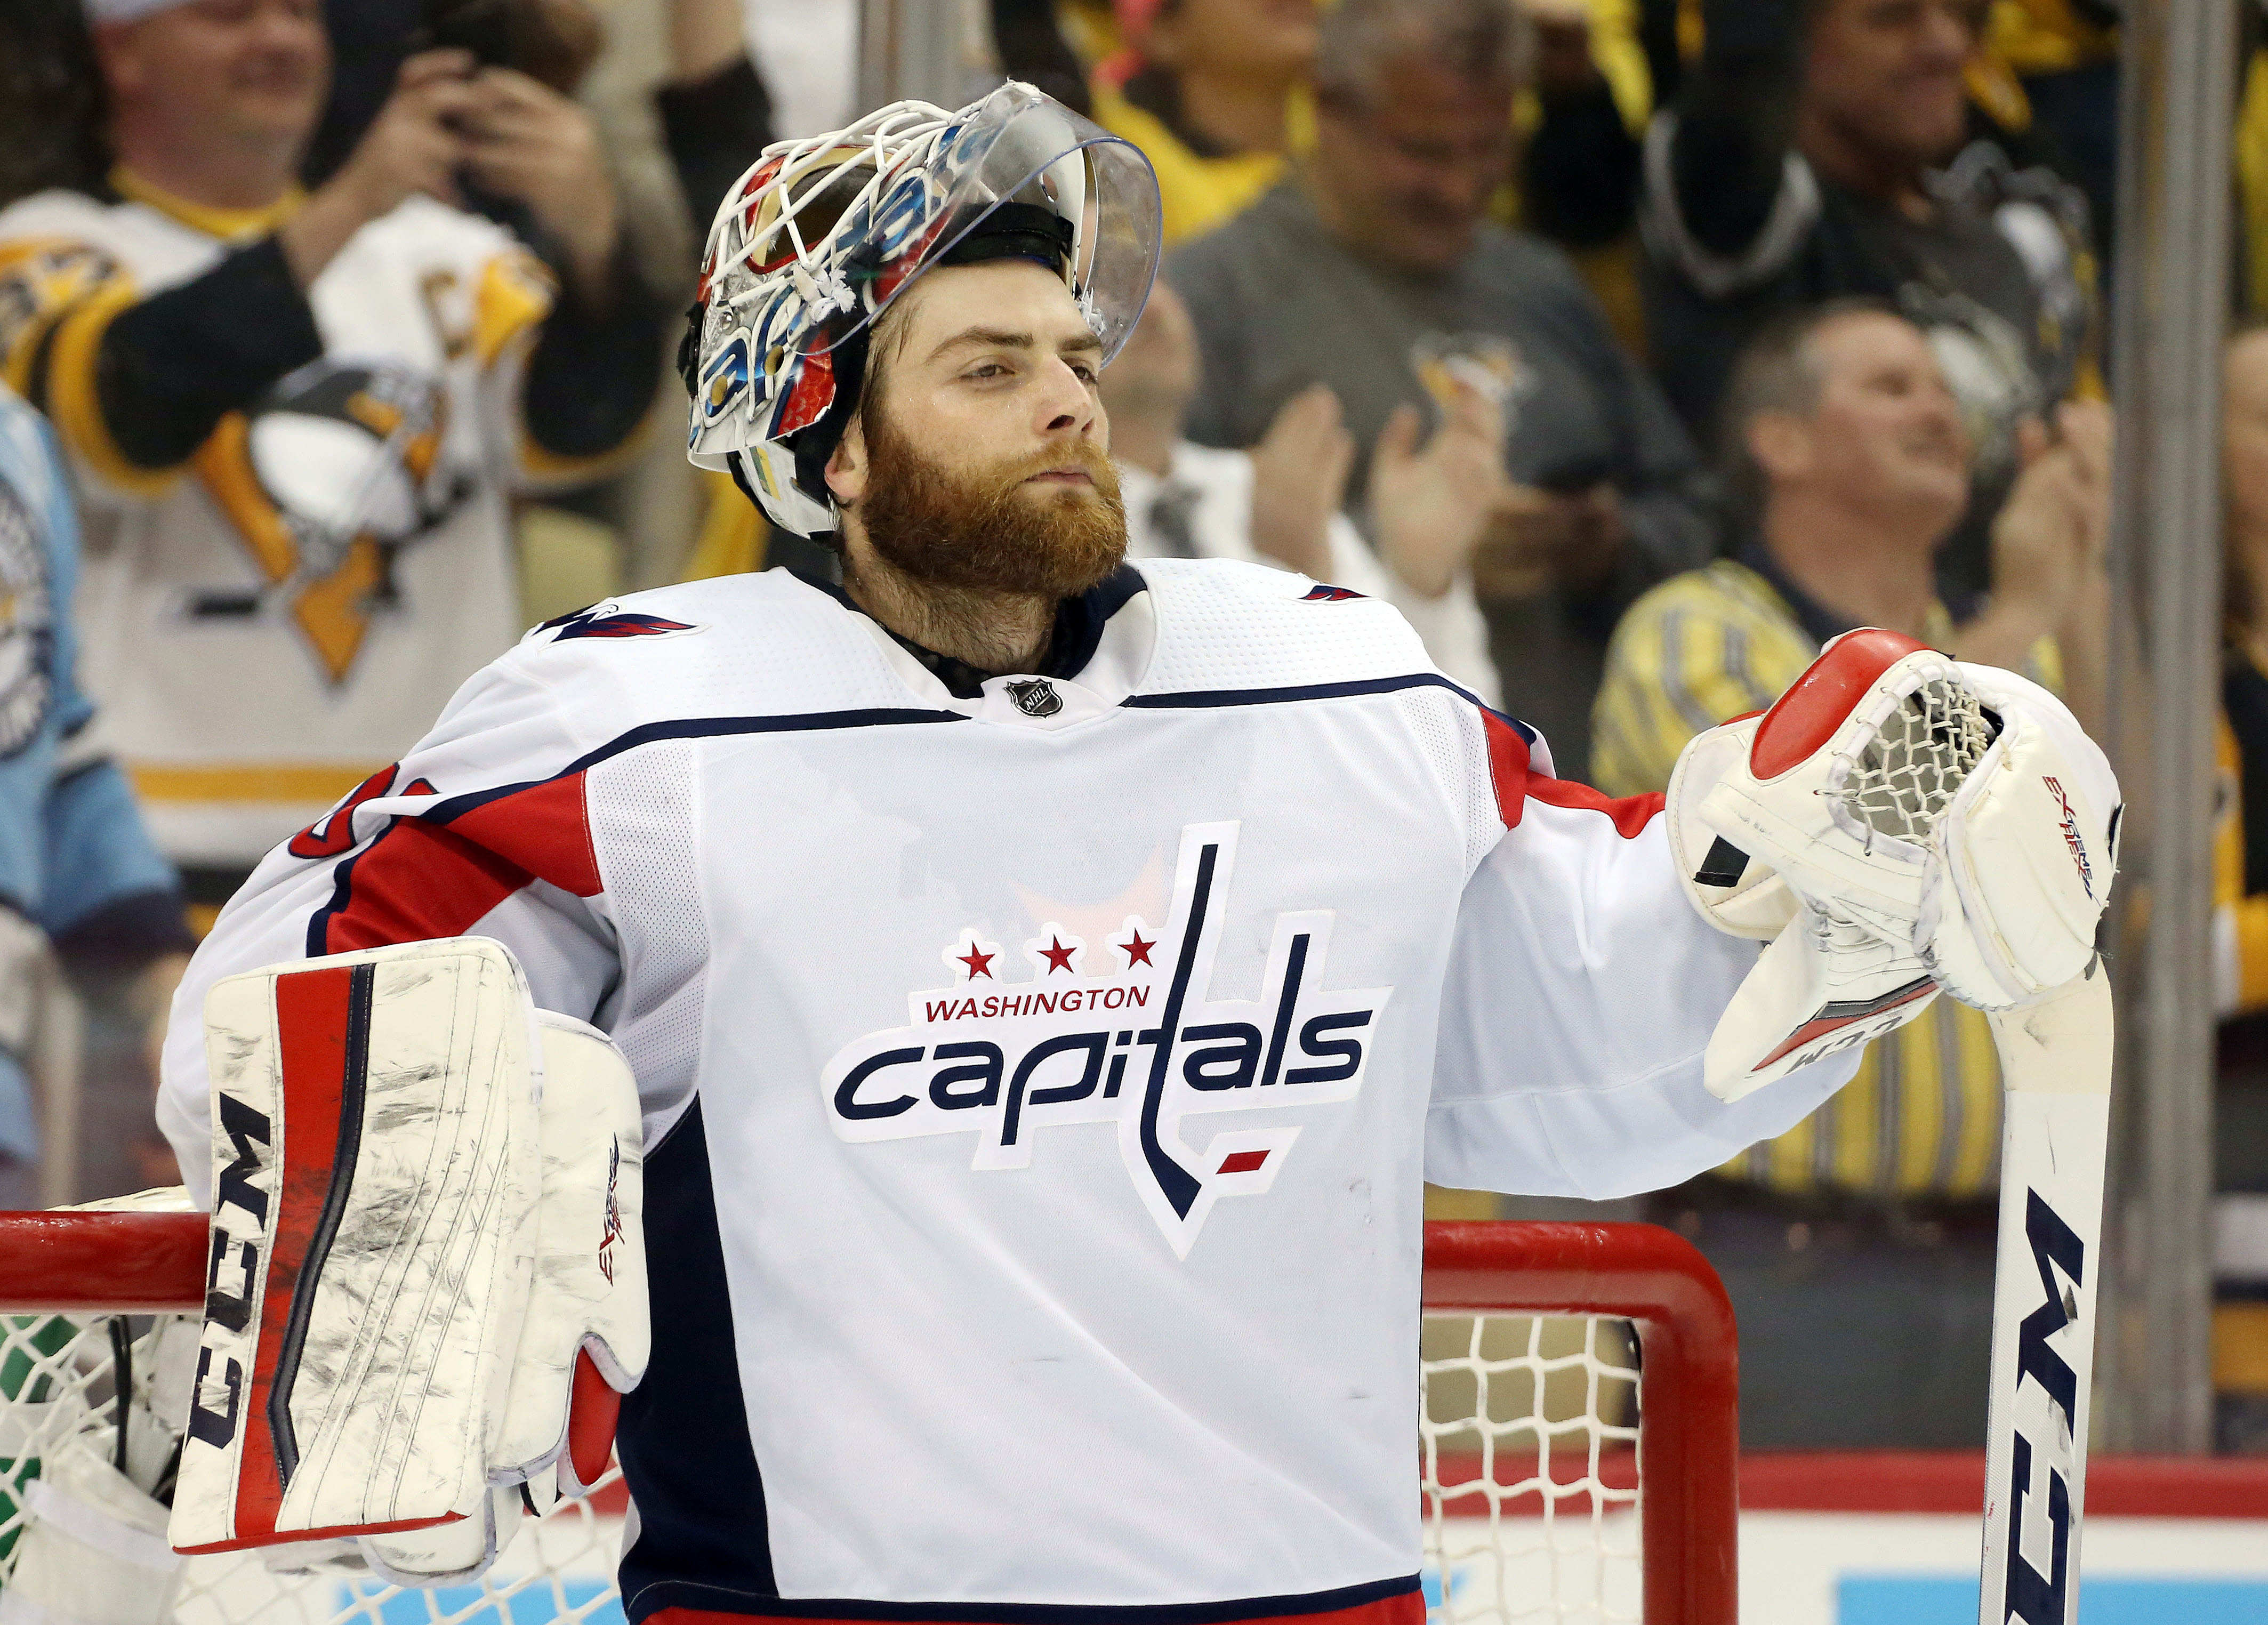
{"points": [[1374, 271]]}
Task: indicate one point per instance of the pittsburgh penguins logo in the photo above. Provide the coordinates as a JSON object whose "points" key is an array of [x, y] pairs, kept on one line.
{"points": [[27, 628], [326, 479], [1035, 696]]}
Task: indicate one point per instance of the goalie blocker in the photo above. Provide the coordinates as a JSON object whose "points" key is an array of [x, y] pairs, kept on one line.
{"points": [[426, 1289]]}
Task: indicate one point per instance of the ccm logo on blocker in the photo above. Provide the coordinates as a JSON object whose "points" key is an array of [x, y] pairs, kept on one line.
{"points": [[1133, 1040]]}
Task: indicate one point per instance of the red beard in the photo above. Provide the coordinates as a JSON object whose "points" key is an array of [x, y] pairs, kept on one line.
{"points": [[990, 531]]}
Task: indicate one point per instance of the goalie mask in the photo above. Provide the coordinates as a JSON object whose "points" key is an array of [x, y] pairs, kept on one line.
{"points": [[815, 241]]}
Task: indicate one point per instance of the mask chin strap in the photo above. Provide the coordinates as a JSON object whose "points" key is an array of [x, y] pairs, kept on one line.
{"points": [[814, 444]]}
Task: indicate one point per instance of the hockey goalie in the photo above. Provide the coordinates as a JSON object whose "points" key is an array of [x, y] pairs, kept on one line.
{"points": [[1046, 986]]}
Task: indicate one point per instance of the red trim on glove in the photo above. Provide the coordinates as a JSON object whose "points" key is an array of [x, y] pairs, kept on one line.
{"points": [[1818, 702], [1820, 1025], [336, 1531], [592, 1410]]}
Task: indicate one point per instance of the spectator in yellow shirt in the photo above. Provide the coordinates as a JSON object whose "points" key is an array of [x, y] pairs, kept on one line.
{"points": [[1214, 92]]}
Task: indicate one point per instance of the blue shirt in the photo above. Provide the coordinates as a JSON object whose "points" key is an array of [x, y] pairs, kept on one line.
{"points": [[75, 859]]}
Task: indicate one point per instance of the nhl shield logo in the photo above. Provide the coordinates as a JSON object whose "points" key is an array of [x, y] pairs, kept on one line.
{"points": [[1035, 696]]}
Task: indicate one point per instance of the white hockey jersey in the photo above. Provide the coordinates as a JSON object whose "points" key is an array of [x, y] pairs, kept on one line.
{"points": [[266, 625], [1040, 1088]]}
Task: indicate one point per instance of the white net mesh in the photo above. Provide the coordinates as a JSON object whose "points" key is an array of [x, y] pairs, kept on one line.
{"points": [[1904, 778], [58, 1402], [1530, 1472], [1529, 1487]]}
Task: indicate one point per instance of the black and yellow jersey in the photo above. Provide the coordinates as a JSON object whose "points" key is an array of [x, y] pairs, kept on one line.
{"points": [[297, 506]]}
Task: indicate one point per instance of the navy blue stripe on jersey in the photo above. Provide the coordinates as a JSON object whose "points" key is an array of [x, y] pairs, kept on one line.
{"points": [[1300, 1605], [319, 924], [697, 728], [703, 1534], [1207, 699]]}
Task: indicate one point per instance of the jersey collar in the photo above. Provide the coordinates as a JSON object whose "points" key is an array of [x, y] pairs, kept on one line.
{"points": [[1820, 623], [1080, 629], [229, 224]]}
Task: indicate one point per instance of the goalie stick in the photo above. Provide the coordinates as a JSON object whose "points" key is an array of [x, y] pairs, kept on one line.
{"points": [[2055, 1064]]}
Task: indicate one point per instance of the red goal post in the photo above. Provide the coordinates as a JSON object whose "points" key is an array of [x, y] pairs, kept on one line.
{"points": [[1682, 1485]]}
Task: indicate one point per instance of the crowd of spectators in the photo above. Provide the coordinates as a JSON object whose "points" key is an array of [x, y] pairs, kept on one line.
{"points": [[1632, 348]]}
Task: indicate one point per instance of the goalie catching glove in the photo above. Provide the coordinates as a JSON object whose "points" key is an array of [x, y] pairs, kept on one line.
{"points": [[1897, 823], [426, 1289]]}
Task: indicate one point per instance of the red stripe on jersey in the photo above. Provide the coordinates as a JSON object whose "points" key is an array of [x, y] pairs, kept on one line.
{"points": [[417, 881], [544, 829], [1516, 785], [311, 1027], [421, 880], [1629, 814], [1406, 1608]]}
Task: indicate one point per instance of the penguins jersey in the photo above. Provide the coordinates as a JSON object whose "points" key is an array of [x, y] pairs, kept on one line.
{"points": [[275, 615], [1039, 1087]]}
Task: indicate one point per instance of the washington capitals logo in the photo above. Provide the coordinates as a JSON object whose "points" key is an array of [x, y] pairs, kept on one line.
{"points": [[1330, 595], [602, 621], [1123, 1033]]}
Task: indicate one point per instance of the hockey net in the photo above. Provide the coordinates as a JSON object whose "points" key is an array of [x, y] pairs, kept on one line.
{"points": [[1557, 1483]]}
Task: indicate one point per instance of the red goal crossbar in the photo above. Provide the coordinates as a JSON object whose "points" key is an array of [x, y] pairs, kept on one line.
{"points": [[1689, 1432]]}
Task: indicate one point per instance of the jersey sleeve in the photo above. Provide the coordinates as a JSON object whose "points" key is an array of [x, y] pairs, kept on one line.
{"points": [[136, 381], [483, 829], [575, 385], [1581, 991]]}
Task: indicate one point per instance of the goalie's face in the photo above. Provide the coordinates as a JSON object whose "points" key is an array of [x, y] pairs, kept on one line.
{"points": [[980, 457]]}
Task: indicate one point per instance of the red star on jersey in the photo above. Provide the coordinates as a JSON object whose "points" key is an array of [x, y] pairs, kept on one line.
{"points": [[1056, 955], [1136, 952], [979, 963]]}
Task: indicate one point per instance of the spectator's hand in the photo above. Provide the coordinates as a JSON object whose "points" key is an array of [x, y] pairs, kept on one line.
{"points": [[524, 140], [1429, 508], [412, 146], [2087, 431], [2051, 534], [1300, 472], [1538, 540]]}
